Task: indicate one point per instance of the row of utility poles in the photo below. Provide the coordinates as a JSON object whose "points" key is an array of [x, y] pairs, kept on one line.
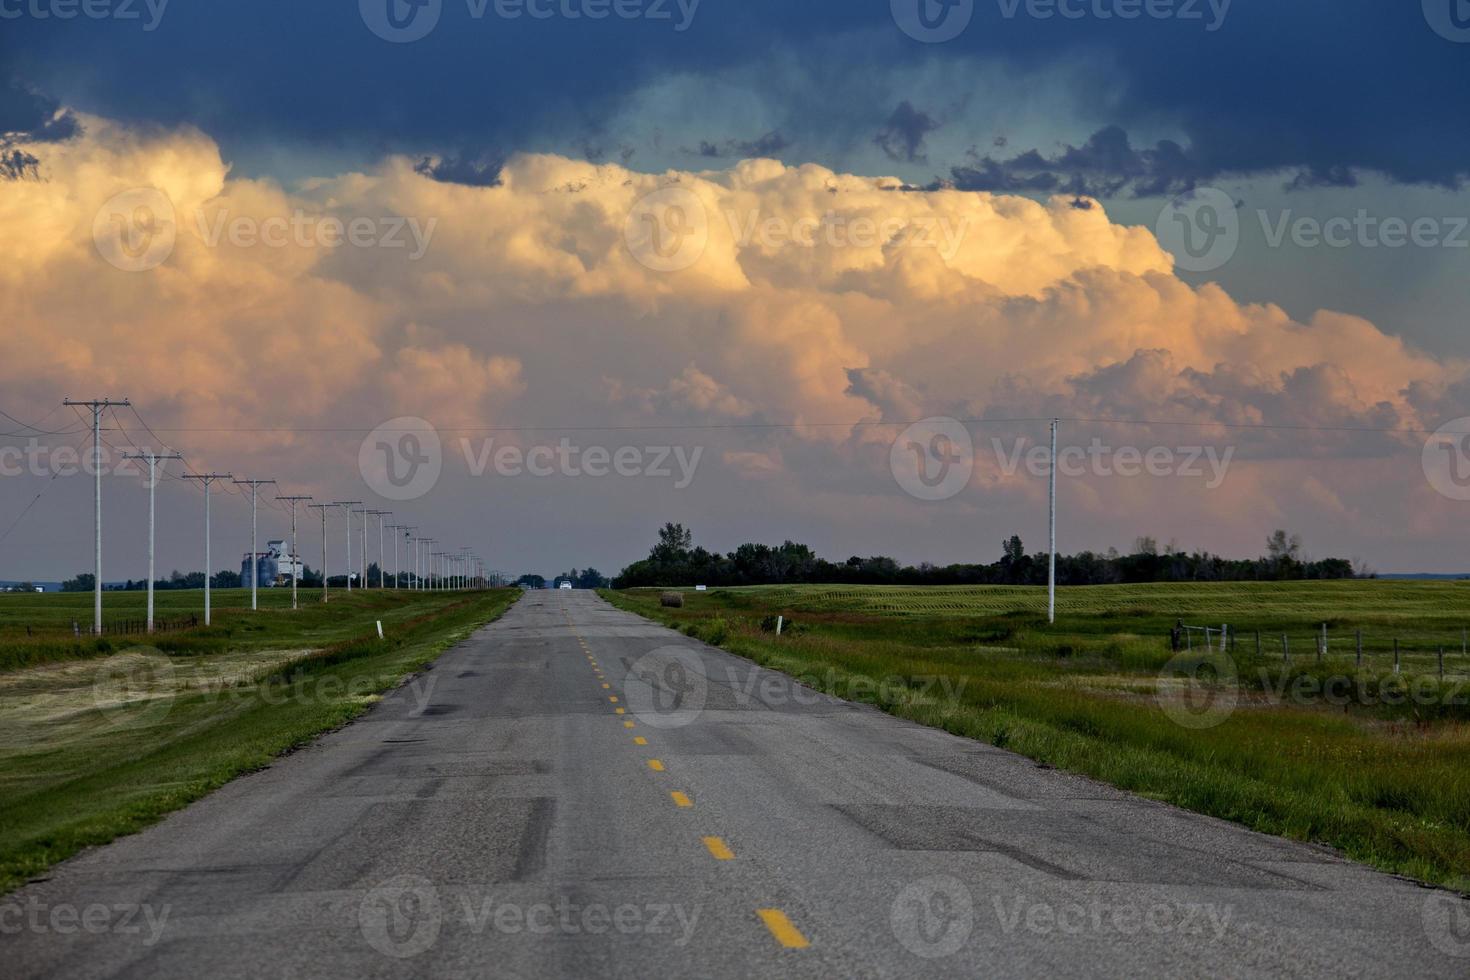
{"points": [[431, 570]]}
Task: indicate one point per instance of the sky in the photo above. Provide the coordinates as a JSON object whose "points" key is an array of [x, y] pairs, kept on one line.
{"points": [[537, 276]]}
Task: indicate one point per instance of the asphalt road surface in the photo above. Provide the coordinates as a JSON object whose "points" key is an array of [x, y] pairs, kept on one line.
{"points": [[576, 792]]}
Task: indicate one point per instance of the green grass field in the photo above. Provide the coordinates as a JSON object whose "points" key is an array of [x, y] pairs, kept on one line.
{"points": [[1373, 762], [102, 737]]}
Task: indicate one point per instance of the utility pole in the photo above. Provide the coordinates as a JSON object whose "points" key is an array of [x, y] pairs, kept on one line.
{"points": [[347, 506], [1051, 565], [397, 568], [98, 406], [428, 580], [207, 479], [295, 554], [254, 486], [364, 512], [380, 514], [152, 459], [323, 509]]}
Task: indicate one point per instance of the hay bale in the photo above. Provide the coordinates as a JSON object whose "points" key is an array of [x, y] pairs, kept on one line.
{"points": [[674, 600]]}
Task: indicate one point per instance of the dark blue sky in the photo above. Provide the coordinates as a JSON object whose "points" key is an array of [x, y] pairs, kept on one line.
{"points": [[1326, 88]]}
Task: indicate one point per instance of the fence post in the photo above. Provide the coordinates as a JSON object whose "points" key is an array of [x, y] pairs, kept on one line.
{"points": [[1395, 655], [1285, 650], [1360, 648]]}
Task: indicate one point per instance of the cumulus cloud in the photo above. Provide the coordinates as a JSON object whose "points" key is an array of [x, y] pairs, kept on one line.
{"points": [[817, 300]]}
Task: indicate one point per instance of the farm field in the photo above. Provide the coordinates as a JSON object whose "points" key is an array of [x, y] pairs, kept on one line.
{"points": [[102, 736], [1324, 749]]}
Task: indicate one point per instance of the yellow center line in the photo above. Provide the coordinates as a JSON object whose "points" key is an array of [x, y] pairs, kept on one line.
{"points": [[619, 711], [680, 799], [613, 698], [628, 724], [606, 687], [786, 934], [718, 849], [639, 740], [655, 765]]}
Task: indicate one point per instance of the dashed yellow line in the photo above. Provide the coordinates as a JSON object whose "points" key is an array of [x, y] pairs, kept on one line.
{"points": [[619, 711], [681, 799], [628, 723], [639, 740], [718, 849], [607, 687], [613, 698], [786, 934], [655, 765]]}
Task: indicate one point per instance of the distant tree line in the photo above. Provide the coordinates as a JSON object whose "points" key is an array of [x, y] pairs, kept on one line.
{"points": [[188, 580], [675, 561], [587, 578]]}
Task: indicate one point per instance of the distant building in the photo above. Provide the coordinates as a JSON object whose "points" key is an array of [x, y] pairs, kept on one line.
{"points": [[273, 566]]}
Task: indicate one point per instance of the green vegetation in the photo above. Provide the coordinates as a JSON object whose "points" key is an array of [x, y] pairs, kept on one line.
{"points": [[106, 736], [1374, 763]]}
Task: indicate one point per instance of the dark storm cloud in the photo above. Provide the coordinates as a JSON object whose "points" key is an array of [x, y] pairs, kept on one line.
{"points": [[27, 116], [482, 172], [1323, 90], [902, 138], [1105, 166], [767, 145]]}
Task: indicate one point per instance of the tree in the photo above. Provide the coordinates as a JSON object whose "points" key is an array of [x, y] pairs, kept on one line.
{"points": [[1281, 545], [674, 542], [84, 582], [1145, 545], [532, 581]]}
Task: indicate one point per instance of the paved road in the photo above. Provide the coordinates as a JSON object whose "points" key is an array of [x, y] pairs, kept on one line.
{"points": [[577, 792]]}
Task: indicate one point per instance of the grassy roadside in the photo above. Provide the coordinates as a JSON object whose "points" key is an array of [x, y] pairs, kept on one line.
{"points": [[1386, 783], [91, 749]]}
